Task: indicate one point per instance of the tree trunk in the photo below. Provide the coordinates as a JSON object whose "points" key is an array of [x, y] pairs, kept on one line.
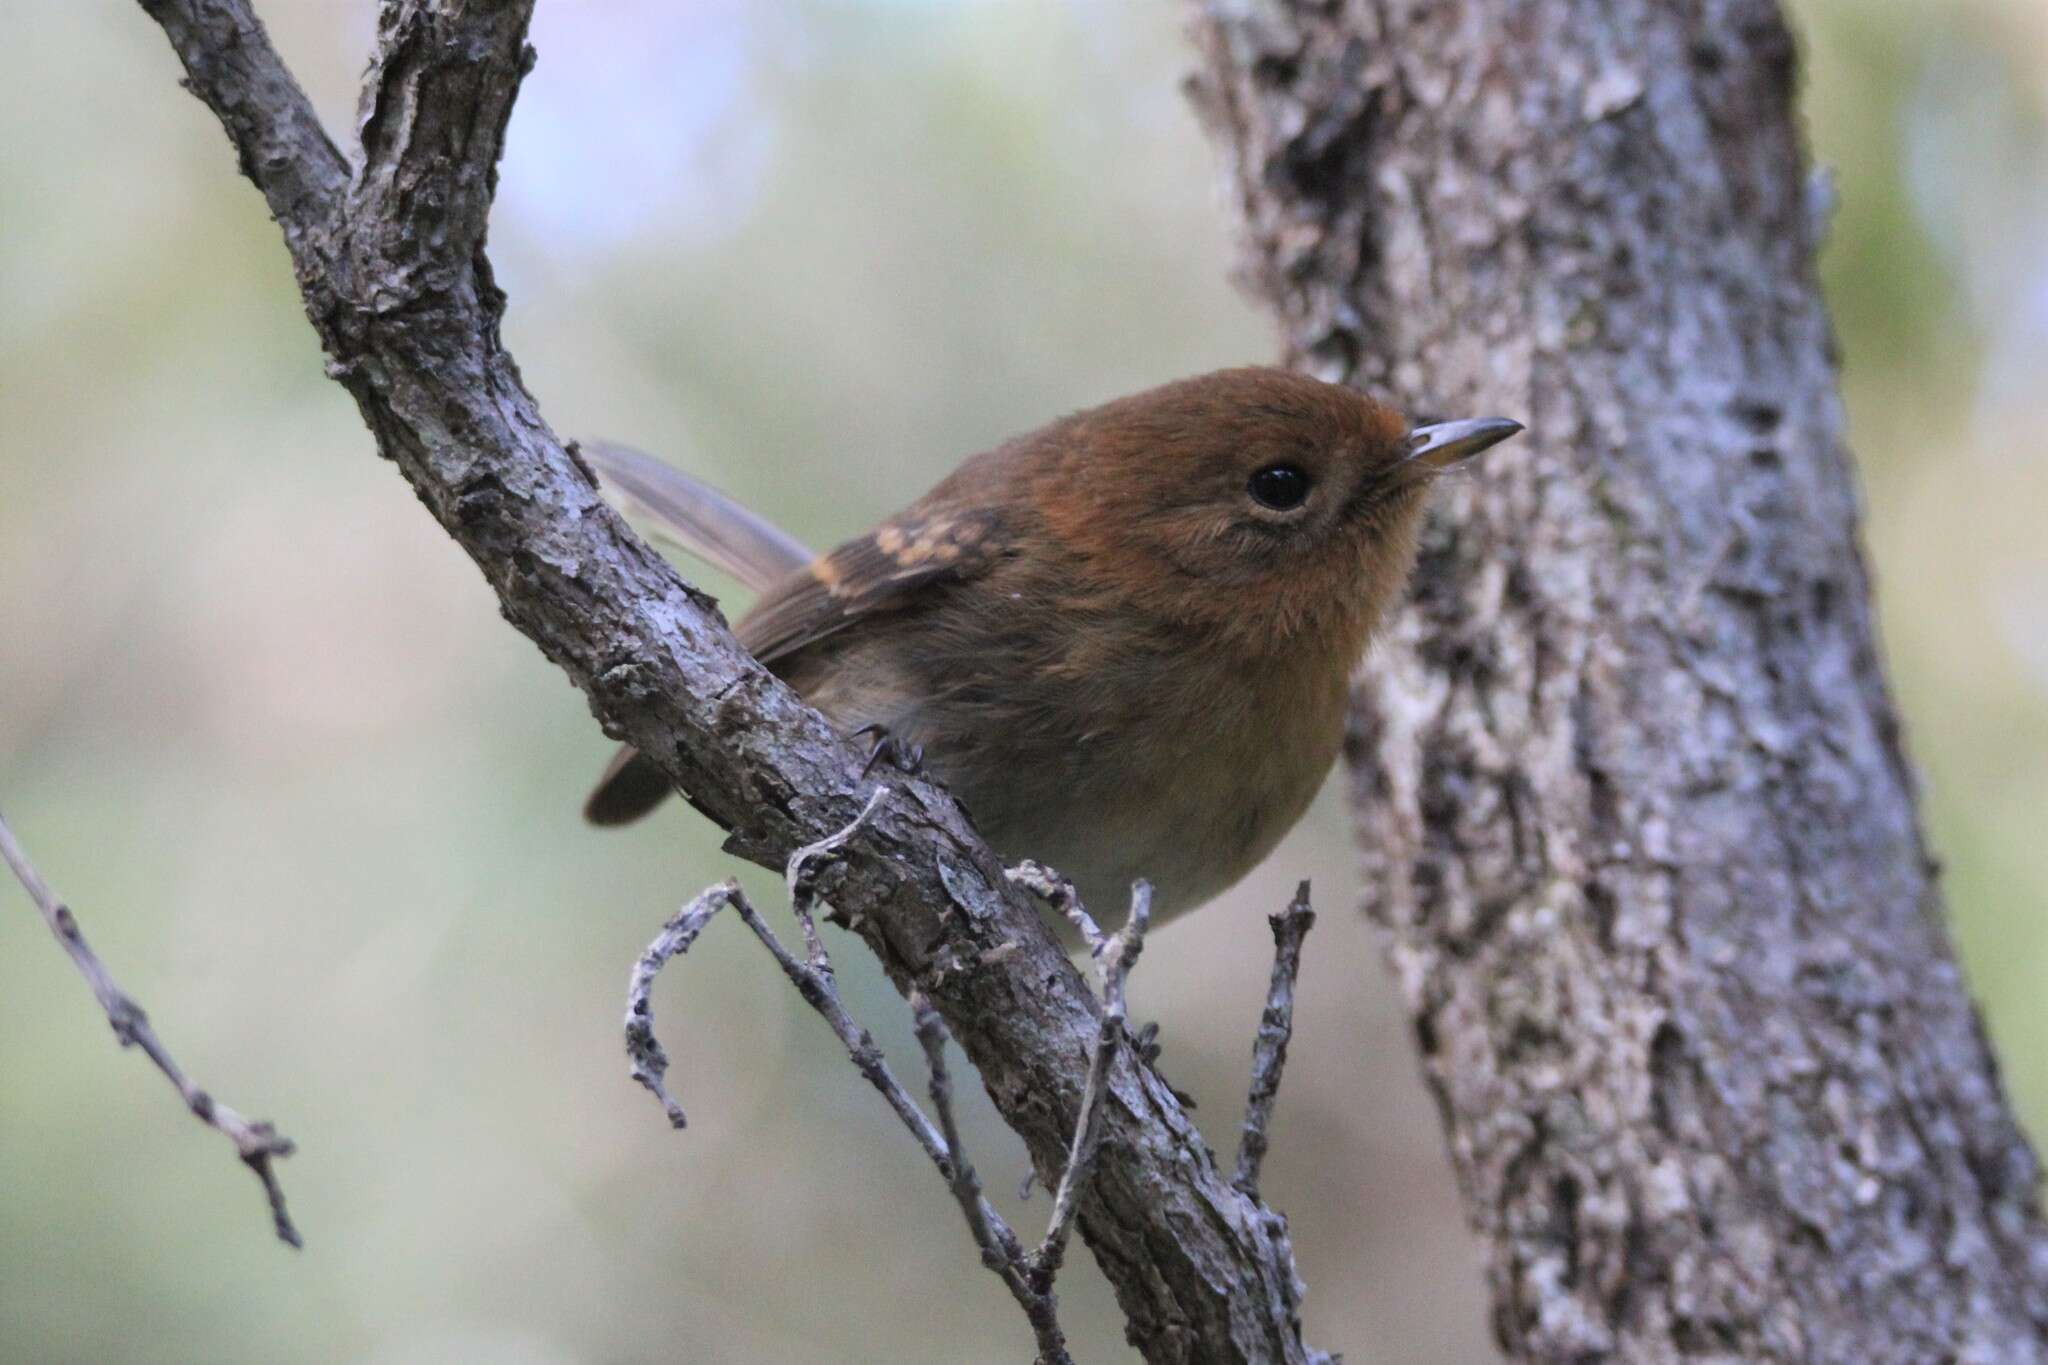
{"points": [[1635, 813]]}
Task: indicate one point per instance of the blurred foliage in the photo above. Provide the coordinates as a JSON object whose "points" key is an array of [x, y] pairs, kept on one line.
{"points": [[260, 723]]}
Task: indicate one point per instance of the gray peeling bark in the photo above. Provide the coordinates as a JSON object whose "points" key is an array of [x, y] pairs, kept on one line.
{"points": [[1633, 804], [388, 252]]}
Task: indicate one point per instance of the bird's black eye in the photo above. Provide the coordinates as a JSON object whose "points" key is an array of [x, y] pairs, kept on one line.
{"points": [[1282, 487]]}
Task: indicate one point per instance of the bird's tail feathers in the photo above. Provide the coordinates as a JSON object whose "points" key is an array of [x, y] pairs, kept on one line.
{"points": [[696, 517]]}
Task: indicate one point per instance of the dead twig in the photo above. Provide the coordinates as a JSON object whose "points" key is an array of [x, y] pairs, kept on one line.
{"points": [[650, 1062], [257, 1142], [815, 981], [1276, 1026], [1028, 1275], [1114, 956], [1001, 1252]]}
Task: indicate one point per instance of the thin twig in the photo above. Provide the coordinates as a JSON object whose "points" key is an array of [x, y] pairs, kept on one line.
{"points": [[1276, 1026], [814, 980], [1114, 958], [1028, 1276], [1001, 1252], [1000, 1249], [811, 975], [803, 889], [650, 1062], [256, 1141], [821, 993]]}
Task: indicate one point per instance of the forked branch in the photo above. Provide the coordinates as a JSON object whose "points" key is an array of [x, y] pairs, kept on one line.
{"points": [[390, 262], [1028, 1275]]}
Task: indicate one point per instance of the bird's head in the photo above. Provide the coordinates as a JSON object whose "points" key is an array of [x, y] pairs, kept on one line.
{"points": [[1264, 502]]}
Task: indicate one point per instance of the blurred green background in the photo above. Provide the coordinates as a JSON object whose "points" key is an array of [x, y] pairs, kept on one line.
{"points": [[260, 721]]}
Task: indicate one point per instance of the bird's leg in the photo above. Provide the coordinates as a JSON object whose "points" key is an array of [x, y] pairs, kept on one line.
{"points": [[906, 758]]}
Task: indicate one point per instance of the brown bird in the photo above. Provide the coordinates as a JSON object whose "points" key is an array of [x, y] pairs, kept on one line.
{"points": [[1123, 640]]}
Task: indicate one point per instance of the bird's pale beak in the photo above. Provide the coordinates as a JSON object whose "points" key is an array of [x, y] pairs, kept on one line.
{"points": [[1440, 445]]}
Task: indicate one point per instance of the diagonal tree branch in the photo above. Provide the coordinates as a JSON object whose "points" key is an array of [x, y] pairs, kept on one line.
{"points": [[402, 297]]}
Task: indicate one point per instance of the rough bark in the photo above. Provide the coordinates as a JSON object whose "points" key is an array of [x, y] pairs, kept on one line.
{"points": [[389, 258], [1634, 808]]}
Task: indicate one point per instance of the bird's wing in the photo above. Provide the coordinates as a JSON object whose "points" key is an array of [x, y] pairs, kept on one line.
{"points": [[696, 517], [803, 600], [931, 543]]}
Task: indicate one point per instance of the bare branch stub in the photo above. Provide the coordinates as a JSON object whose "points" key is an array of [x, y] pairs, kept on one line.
{"points": [[256, 1141], [1030, 1275], [1060, 894], [1276, 1027]]}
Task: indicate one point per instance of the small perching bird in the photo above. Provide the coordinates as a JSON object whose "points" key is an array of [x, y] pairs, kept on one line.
{"points": [[1122, 640]]}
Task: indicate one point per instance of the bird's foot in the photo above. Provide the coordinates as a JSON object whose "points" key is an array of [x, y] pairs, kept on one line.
{"points": [[907, 759], [1146, 1041]]}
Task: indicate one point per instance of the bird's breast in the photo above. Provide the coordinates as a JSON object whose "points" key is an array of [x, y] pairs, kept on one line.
{"points": [[1108, 757]]}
